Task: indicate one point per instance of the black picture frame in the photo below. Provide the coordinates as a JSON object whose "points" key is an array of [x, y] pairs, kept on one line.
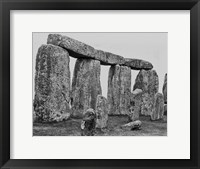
{"points": [[7, 5]]}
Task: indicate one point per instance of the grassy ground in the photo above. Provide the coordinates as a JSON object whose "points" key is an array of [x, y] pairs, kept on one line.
{"points": [[71, 127]]}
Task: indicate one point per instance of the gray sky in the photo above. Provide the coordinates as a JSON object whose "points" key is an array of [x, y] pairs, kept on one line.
{"points": [[151, 47]]}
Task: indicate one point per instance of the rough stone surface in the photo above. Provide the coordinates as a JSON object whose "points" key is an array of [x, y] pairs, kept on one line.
{"points": [[78, 49], [137, 64], [134, 125], [34, 117], [88, 123], [136, 91], [101, 112], [119, 90], [135, 104], [147, 105], [125, 89], [158, 111], [52, 84], [147, 81], [164, 89], [165, 109], [85, 86]]}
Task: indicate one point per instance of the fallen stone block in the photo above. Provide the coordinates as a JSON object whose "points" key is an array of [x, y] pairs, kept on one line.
{"points": [[134, 125]]}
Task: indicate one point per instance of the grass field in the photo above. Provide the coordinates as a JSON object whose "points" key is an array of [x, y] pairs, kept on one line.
{"points": [[71, 127]]}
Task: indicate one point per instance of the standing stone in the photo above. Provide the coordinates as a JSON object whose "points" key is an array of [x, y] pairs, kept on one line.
{"points": [[101, 112], [135, 104], [165, 109], [119, 90], [147, 105], [85, 86], [113, 94], [158, 111], [164, 89], [52, 84], [125, 89], [148, 82]]}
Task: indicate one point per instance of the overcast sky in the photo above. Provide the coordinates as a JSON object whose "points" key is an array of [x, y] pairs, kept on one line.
{"points": [[151, 47]]}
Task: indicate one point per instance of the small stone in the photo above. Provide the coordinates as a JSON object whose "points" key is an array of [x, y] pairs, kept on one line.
{"points": [[158, 110], [137, 91], [88, 123], [101, 112], [134, 125]]}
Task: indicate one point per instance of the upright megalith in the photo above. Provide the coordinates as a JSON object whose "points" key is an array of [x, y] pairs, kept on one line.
{"points": [[85, 86], [158, 110], [119, 90], [113, 93], [164, 89], [147, 81], [52, 84], [147, 104], [125, 89], [135, 104], [101, 112]]}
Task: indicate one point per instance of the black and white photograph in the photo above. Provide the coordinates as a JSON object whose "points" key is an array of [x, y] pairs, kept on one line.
{"points": [[99, 83]]}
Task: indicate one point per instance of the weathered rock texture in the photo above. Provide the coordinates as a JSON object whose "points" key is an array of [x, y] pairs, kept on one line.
{"points": [[165, 109], [164, 89], [85, 86], [147, 81], [147, 104], [138, 64], [119, 90], [135, 104], [158, 110], [52, 84], [88, 123], [134, 125], [101, 112], [78, 49]]}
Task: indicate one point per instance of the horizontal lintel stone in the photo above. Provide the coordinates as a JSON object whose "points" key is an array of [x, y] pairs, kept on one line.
{"points": [[79, 49]]}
